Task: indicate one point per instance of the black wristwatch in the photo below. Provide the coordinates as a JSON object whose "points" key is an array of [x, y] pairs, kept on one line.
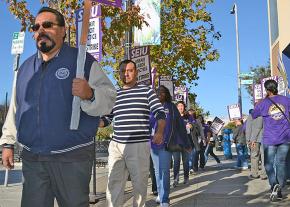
{"points": [[8, 146]]}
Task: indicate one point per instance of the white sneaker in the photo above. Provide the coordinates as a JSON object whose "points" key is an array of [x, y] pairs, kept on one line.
{"points": [[164, 204], [157, 200]]}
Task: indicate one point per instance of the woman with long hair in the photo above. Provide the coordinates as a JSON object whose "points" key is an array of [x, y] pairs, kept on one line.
{"points": [[160, 154]]}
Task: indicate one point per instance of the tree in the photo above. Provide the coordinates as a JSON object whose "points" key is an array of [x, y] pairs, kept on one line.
{"points": [[187, 34], [196, 106], [260, 72]]}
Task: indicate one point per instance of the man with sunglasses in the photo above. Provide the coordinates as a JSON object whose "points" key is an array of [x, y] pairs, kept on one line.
{"points": [[57, 161]]}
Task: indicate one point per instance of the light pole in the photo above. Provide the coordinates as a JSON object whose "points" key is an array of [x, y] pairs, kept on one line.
{"points": [[235, 12]]}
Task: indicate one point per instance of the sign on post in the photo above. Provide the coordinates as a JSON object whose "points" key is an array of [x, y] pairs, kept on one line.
{"points": [[17, 43], [180, 94], [217, 125], [167, 81], [94, 39], [247, 82], [140, 55], [258, 95], [234, 112]]}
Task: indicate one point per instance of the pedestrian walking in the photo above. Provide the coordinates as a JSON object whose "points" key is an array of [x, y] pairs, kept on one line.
{"points": [[56, 161], [161, 154], [184, 154], [129, 149], [275, 112], [254, 134], [239, 138], [211, 138]]}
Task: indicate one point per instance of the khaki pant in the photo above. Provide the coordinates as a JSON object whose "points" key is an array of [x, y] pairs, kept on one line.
{"points": [[256, 152], [127, 159]]}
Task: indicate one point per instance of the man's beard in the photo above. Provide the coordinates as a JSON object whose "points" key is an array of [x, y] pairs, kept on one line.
{"points": [[44, 48]]}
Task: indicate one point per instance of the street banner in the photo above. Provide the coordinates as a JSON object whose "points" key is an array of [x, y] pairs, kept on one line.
{"points": [[234, 112], [17, 43], [180, 94], [149, 34], [217, 125], [116, 3], [257, 93], [94, 41], [141, 56], [167, 81]]}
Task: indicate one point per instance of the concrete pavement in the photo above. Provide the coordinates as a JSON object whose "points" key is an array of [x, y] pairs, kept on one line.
{"points": [[217, 186]]}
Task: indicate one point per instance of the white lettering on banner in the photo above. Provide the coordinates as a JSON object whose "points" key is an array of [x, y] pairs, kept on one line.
{"points": [[139, 52]]}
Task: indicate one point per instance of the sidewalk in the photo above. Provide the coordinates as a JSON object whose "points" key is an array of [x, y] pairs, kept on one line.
{"points": [[217, 186]]}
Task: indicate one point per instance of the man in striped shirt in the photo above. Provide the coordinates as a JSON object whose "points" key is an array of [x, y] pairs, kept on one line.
{"points": [[129, 149]]}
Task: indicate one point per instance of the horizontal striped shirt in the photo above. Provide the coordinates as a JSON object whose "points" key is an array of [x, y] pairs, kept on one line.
{"points": [[131, 114]]}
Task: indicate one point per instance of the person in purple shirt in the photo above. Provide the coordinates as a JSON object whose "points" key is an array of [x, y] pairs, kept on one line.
{"points": [[276, 136], [161, 156]]}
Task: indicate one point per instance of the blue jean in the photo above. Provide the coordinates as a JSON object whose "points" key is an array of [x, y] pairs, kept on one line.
{"points": [[176, 165], [161, 160], [275, 157], [241, 155], [191, 159], [209, 151]]}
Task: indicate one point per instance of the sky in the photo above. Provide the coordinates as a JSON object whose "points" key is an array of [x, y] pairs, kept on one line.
{"points": [[217, 85]]}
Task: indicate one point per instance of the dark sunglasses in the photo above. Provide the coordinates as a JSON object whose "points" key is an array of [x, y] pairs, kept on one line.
{"points": [[45, 25]]}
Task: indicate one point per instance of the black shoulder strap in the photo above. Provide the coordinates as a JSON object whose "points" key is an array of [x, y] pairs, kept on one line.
{"points": [[279, 109]]}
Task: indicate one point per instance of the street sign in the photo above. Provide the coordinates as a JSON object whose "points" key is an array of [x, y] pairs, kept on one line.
{"points": [[17, 43], [244, 75], [247, 82]]}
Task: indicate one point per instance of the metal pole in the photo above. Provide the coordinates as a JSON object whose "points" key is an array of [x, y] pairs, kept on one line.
{"points": [[128, 34], [238, 59]]}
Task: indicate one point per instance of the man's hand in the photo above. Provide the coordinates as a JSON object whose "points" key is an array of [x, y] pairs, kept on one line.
{"points": [[82, 89], [158, 138], [7, 158]]}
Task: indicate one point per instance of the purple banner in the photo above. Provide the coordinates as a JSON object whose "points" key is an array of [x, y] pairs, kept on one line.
{"points": [[116, 3]]}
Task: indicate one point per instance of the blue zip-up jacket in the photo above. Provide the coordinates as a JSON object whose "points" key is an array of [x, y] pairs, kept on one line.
{"points": [[44, 104], [174, 128]]}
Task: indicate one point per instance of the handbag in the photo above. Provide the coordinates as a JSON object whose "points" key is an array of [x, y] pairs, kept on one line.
{"points": [[279, 109], [171, 145]]}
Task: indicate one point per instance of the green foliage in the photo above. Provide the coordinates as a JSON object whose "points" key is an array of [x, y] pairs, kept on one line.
{"points": [[187, 34], [104, 133], [230, 125], [260, 72]]}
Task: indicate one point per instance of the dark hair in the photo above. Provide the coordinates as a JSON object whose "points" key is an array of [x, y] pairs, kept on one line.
{"points": [[250, 111], [185, 114], [58, 15], [123, 64], [271, 86], [168, 97]]}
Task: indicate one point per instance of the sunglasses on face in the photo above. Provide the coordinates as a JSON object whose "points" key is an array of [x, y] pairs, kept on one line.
{"points": [[45, 25]]}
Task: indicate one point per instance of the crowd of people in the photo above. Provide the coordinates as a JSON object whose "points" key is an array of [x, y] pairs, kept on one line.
{"points": [[57, 161]]}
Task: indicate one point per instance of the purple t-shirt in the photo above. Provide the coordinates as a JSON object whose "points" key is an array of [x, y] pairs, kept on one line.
{"points": [[276, 126]]}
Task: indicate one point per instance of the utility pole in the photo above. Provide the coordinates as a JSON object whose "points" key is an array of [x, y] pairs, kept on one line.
{"points": [[128, 35], [235, 12]]}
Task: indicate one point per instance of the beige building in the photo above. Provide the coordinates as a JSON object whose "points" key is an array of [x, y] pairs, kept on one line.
{"points": [[279, 31]]}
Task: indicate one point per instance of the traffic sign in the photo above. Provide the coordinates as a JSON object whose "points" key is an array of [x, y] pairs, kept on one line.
{"points": [[17, 43]]}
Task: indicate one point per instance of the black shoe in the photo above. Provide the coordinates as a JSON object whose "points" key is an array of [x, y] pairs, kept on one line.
{"points": [[279, 195], [155, 193]]}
